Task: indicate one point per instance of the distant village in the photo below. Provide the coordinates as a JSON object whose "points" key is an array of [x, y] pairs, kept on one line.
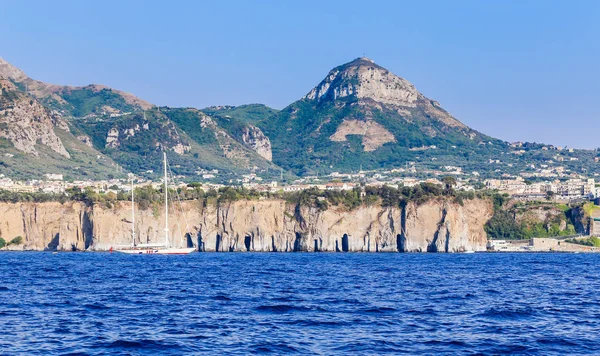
{"points": [[544, 182]]}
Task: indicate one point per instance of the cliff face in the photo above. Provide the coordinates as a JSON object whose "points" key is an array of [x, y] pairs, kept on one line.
{"points": [[264, 225]]}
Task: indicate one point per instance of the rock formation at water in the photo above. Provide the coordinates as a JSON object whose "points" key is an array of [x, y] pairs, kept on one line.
{"points": [[255, 225]]}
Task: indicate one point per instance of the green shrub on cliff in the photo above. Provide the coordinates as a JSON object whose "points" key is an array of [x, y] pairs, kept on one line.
{"points": [[36, 197], [2, 242], [16, 241]]}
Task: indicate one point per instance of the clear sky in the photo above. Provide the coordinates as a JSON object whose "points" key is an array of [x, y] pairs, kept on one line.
{"points": [[516, 70]]}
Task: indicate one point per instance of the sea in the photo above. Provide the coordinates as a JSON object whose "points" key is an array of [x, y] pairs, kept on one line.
{"points": [[299, 303]]}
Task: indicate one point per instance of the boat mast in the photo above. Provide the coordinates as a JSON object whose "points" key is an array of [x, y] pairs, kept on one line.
{"points": [[132, 215], [166, 201]]}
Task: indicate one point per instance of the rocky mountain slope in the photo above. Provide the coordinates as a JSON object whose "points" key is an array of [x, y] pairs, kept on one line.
{"points": [[193, 141], [128, 130], [250, 114], [35, 140], [264, 225], [25, 122]]}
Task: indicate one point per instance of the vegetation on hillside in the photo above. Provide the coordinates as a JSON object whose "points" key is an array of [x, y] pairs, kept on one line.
{"points": [[147, 196], [592, 241], [85, 101], [300, 135], [522, 220], [248, 114]]}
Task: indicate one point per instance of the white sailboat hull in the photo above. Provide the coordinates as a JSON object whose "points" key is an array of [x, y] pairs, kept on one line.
{"points": [[157, 251]]}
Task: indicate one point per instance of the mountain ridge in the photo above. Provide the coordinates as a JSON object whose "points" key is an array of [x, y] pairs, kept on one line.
{"points": [[361, 115], [130, 130], [61, 97]]}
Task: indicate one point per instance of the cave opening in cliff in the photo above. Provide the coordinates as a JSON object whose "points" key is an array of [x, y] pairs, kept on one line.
{"points": [[401, 243], [53, 244], [189, 241], [88, 231], [273, 246], [345, 247], [298, 242], [248, 242], [316, 245]]}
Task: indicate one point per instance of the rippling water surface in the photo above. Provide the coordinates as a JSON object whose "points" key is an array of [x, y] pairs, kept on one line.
{"points": [[98, 303]]}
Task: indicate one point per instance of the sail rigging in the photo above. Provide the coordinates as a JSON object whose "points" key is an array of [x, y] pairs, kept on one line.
{"points": [[166, 247]]}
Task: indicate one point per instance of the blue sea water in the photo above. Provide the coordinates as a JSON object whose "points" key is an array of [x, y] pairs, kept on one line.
{"points": [[299, 303]]}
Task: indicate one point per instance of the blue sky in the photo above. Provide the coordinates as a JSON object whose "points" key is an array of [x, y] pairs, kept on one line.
{"points": [[516, 70]]}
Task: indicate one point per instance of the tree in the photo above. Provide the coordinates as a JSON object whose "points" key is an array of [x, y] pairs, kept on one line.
{"points": [[503, 226], [449, 183], [550, 195]]}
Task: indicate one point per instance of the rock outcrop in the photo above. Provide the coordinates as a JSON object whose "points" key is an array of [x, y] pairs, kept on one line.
{"points": [[373, 85], [255, 139], [25, 122], [365, 80], [263, 225]]}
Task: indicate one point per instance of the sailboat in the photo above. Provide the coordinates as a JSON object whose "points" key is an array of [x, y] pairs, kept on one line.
{"points": [[157, 248]]}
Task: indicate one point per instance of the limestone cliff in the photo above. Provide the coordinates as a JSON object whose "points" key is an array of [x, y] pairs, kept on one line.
{"points": [[258, 225]]}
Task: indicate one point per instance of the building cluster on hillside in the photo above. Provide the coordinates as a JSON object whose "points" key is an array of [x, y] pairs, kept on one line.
{"points": [[573, 188], [558, 182]]}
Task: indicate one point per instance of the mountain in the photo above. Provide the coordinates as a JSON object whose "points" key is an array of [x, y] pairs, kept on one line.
{"points": [[240, 122], [361, 114], [35, 140], [122, 129]]}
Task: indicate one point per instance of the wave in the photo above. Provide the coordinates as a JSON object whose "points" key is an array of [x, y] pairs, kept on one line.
{"points": [[221, 297], [144, 344], [379, 310], [509, 313], [96, 306], [283, 308]]}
